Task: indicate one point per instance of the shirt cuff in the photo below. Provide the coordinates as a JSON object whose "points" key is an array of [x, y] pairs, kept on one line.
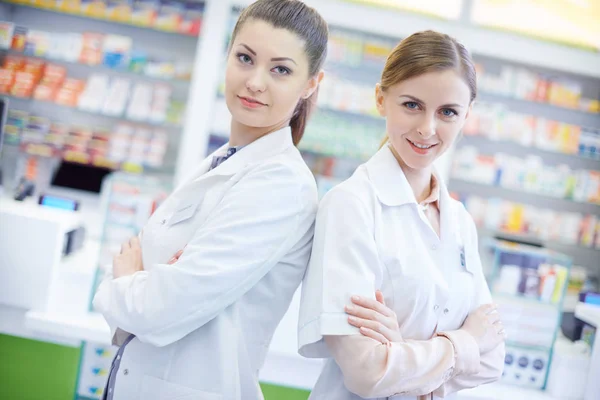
{"points": [[466, 351], [310, 336]]}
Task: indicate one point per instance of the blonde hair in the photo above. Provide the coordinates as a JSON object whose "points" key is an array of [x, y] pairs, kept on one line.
{"points": [[424, 52]]}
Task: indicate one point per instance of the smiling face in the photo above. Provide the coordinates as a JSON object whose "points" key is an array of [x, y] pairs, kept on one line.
{"points": [[424, 115], [267, 75]]}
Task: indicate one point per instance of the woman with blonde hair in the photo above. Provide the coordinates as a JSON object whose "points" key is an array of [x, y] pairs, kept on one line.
{"points": [[394, 294]]}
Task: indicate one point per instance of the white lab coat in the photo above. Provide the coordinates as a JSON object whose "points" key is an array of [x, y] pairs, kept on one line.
{"points": [[370, 234], [203, 325]]}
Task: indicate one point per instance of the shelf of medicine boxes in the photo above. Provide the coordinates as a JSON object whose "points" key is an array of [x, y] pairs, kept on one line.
{"points": [[579, 255], [48, 151], [50, 108], [562, 114], [85, 118], [63, 8], [553, 307], [522, 196], [574, 161], [81, 69]]}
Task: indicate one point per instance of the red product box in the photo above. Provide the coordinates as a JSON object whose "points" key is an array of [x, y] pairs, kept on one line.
{"points": [[24, 84], [13, 63], [191, 21], [7, 79], [91, 48], [68, 94]]}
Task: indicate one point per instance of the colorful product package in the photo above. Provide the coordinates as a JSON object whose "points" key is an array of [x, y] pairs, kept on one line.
{"points": [[118, 10], [191, 21], [116, 50], [91, 49], [49, 4], [93, 8], [68, 6], [57, 135], [169, 16], [144, 12], [53, 78], [19, 38], [68, 94], [37, 43], [7, 79], [6, 34], [24, 84]]}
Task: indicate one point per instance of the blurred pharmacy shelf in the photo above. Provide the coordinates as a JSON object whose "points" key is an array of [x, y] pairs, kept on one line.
{"points": [[80, 69], [114, 17], [552, 158], [51, 108], [485, 42], [562, 114], [517, 195]]}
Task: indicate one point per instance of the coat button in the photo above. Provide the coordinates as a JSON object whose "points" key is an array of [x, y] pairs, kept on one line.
{"points": [[164, 221], [125, 371], [445, 311], [435, 308]]}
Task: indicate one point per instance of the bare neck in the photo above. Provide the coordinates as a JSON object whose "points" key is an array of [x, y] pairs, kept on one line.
{"points": [[418, 179], [242, 135]]}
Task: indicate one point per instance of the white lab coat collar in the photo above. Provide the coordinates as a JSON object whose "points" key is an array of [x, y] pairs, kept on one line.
{"points": [[393, 189], [269, 145], [390, 184]]}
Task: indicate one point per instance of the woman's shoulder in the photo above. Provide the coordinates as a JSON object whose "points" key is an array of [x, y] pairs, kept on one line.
{"points": [[356, 190], [464, 220]]}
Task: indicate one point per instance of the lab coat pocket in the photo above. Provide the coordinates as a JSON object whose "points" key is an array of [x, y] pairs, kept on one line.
{"points": [[158, 389], [185, 211]]}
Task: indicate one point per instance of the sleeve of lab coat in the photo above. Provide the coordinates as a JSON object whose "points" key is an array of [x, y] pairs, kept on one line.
{"points": [[117, 335], [492, 362], [405, 367], [257, 222], [344, 262]]}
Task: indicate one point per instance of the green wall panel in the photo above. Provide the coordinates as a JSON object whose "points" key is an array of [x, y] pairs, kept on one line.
{"points": [[33, 370]]}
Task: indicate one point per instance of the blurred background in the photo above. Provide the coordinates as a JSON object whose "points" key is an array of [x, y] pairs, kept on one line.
{"points": [[106, 104]]}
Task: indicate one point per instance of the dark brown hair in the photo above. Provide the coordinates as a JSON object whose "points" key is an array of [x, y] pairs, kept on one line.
{"points": [[424, 52], [305, 22]]}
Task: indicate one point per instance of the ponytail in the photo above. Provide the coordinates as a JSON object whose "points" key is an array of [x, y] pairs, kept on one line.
{"points": [[301, 115]]}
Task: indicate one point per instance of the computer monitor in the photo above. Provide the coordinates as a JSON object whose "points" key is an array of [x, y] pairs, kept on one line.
{"points": [[79, 176]]}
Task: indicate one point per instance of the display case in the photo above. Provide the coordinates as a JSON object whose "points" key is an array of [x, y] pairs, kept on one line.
{"points": [[103, 84], [529, 285], [128, 201]]}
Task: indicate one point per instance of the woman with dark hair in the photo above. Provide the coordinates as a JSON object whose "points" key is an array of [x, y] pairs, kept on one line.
{"points": [[193, 303]]}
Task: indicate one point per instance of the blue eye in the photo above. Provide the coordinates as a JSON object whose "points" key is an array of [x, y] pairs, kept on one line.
{"points": [[281, 70], [411, 105], [448, 112], [244, 58]]}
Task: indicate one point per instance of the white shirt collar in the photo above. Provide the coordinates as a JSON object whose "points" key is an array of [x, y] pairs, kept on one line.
{"points": [[390, 183]]}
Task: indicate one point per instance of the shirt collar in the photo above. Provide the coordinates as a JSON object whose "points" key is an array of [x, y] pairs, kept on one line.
{"points": [[261, 149], [391, 185], [434, 196]]}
